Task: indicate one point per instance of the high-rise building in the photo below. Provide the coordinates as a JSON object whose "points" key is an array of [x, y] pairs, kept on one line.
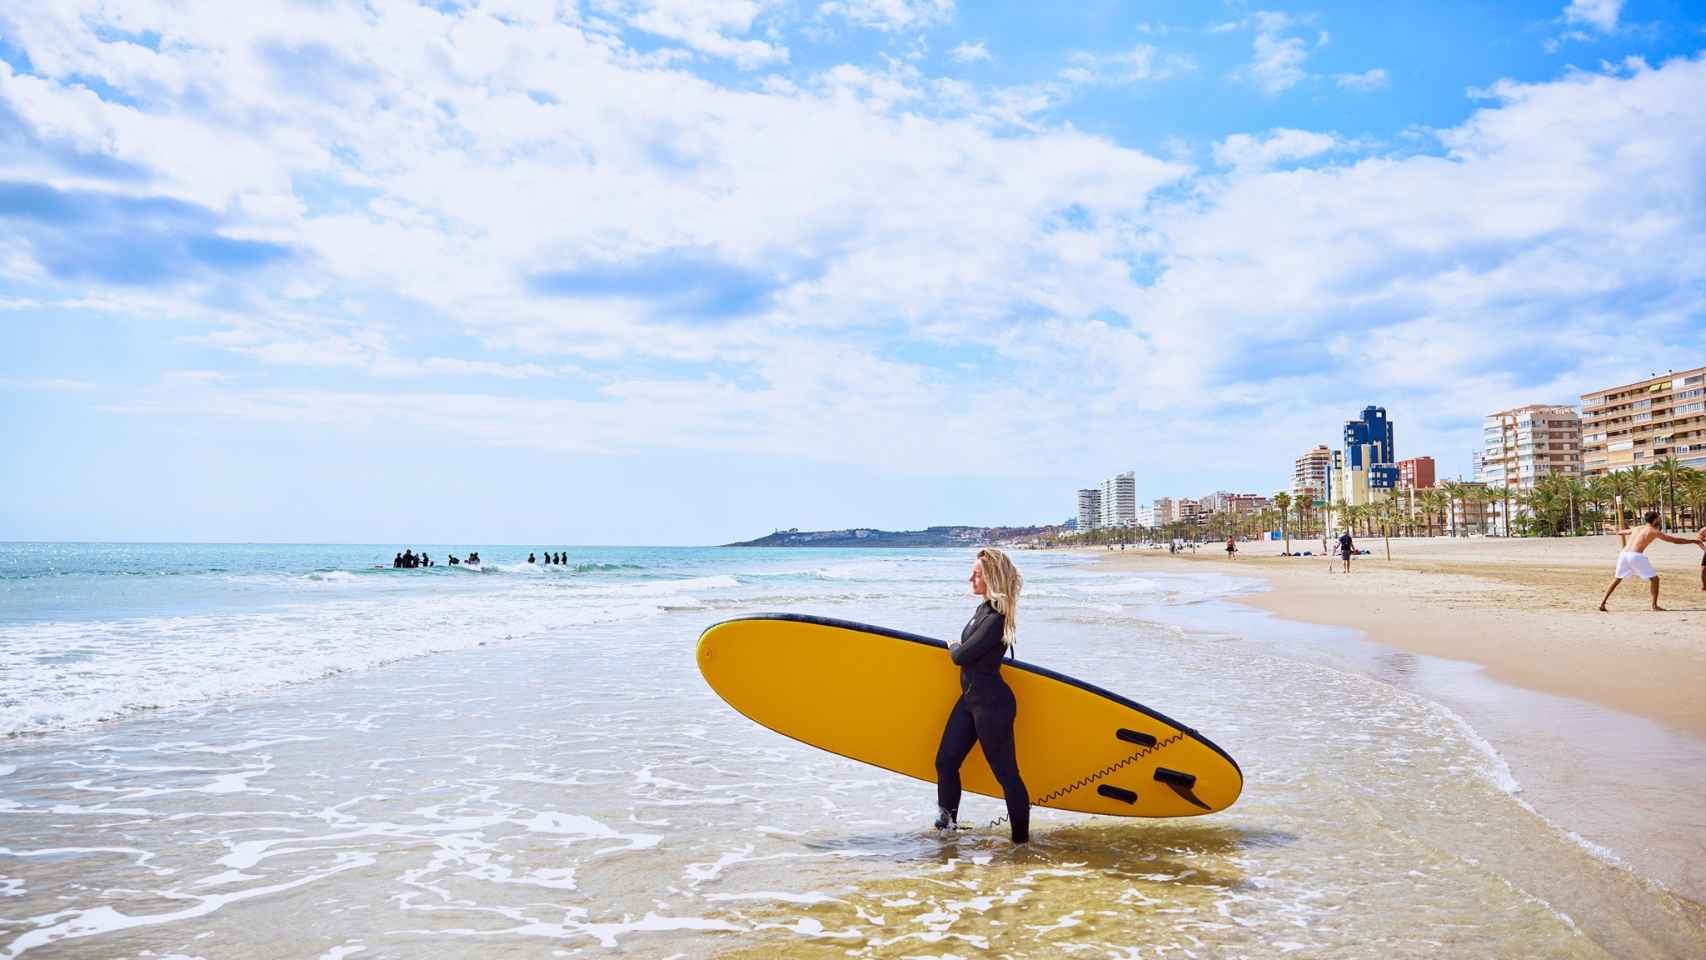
{"points": [[1523, 444], [1190, 511], [1646, 421], [1365, 471], [1309, 476], [1477, 464], [1119, 500], [1089, 509], [1146, 517], [1417, 473], [1165, 511], [1241, 504]]}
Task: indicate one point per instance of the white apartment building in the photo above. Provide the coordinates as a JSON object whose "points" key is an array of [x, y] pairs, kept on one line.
{"points": [[1119, 500], [1477, 465], [1089, 510], [1311, 471], [1146, 517], [1641, 423], [1523, 444]]}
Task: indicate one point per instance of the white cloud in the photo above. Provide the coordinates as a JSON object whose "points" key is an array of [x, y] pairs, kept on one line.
{"points": [[712, 28], [1244, 151], [1599, 14], [1140, 63], [1365, 82], [862, 221], [890, 15], [1277, 63], [968, 52]]}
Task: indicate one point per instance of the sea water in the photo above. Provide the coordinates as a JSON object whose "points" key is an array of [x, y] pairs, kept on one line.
{"points": [[259, 751]]}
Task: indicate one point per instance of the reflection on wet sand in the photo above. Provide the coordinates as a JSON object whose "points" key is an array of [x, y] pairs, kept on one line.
{"points": [[1090, 886]]}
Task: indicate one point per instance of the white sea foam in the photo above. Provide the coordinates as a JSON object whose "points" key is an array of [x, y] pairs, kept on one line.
{"points": [[63, 674]]}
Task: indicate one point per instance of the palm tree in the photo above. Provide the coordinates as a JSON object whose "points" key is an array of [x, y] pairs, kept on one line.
{"points": [[1385, 511], [1303, 507], [1282, 504], [1484, 497], [1653, 490], [1638, 477], [1624, 486], [1599, 493], [1431, 502], [1673, 473], [1453, 490], [1694, 494], [1580, 496]]}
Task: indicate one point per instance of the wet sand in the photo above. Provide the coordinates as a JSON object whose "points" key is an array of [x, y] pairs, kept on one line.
{"points": [[1600, 716], [1525, 609]]}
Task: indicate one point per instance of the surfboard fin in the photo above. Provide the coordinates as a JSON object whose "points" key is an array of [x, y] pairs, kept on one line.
{"points": [[1183, 784]]}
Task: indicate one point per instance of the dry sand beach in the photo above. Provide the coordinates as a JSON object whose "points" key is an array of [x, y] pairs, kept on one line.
{"points": [[1523, 608], [1600, 716]]}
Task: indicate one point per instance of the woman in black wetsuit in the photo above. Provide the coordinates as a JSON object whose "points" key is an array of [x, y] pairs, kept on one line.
{"points": [[985, 710]]}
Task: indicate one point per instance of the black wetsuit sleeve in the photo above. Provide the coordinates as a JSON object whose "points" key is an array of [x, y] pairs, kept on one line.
{"points": [[985, 639]]}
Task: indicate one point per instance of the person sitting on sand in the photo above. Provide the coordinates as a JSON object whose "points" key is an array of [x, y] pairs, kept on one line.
{"points": [[1634, 560]]}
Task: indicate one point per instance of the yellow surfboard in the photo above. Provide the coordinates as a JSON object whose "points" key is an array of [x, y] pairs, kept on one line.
{"points": [[882, 697]]}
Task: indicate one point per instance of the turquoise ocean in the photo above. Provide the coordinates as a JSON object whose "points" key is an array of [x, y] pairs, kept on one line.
{"points": [[297, 751]]}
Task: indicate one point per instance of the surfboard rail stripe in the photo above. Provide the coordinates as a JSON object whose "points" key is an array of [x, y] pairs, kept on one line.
{"points": [[1019, 665]]}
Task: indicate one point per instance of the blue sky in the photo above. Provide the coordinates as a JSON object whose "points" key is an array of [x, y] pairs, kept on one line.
{"points": [[657, 271]]}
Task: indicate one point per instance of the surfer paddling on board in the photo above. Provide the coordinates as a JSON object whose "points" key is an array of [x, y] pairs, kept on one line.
{"points": [[985, 710], [1634, 559]]}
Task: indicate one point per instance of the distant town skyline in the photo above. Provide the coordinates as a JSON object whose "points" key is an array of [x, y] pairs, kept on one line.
{"points": [[651, 273]]}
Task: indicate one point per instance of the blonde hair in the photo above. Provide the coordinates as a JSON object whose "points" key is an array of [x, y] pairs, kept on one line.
{"points": [[1001, 588]]}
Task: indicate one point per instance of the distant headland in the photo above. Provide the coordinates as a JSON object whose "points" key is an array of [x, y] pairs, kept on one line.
{"points": [[868, 537]]}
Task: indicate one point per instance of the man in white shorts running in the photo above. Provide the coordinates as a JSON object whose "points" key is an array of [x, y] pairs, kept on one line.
{"points": [[1634, 559]]}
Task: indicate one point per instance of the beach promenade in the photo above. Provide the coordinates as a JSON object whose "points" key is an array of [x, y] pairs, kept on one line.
{"points": [[1524, 608]]}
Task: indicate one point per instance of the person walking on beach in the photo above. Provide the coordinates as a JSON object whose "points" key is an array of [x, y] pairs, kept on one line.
{"points": [[1634, 560], [1231, 548], [985, 711], [1346, 548]]}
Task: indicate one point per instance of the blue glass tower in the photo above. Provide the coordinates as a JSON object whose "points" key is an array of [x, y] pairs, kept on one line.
{"points": [[1373, 433]]}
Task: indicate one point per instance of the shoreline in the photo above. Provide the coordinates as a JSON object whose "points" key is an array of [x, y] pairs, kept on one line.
{"points": [[1580, 706], [1523, 610]]}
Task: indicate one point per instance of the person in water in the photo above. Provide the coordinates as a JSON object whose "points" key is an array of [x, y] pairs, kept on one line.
{"points": [[473, 558], [530, 558], [985, 710], [397, 563]]}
